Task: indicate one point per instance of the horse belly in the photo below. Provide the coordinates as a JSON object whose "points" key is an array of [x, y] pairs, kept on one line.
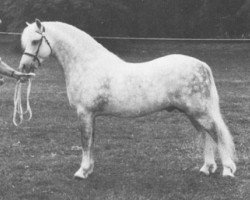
{"points": [[138, 102], [135, 110]]}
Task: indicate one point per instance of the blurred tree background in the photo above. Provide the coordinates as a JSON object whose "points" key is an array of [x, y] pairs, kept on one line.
{"points": [[137, 18]]}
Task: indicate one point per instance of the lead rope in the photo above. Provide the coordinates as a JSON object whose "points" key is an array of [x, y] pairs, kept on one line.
{"points": [[28, 108], [18, 103]]}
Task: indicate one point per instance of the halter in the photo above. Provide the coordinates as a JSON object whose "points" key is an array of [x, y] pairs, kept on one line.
{"points": [[35, 56]]}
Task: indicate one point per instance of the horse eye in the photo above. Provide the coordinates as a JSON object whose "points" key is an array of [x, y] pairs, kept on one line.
{"points": [[35, 42]]}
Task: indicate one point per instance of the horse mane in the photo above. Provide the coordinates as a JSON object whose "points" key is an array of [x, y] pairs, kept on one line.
{"points": [[79, 36]]}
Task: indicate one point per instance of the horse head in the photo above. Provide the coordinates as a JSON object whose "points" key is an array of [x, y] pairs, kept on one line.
{"points": [[36, 46]]}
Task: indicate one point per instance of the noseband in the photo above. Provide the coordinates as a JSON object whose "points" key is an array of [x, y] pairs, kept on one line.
{"points": [[35, 56]]}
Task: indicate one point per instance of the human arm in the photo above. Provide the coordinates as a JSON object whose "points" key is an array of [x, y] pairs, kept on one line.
{"points": [[6, 70]]}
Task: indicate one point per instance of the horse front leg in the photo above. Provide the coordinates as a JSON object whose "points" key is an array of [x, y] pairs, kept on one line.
{"points": [[86, 124]]}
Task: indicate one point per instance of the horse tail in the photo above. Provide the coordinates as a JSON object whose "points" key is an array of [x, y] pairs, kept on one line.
{"points": [[225, 139]]}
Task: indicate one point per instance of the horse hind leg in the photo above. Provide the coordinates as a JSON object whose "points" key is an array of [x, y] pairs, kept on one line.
{"points": [[219, 136], [202, 125], [209, 151]]}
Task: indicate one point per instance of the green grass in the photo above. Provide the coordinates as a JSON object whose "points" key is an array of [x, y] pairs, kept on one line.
{"points": [[153, 157]]}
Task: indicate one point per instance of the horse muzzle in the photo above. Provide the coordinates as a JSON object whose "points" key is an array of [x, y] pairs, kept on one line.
{"points": [[28, 68]]}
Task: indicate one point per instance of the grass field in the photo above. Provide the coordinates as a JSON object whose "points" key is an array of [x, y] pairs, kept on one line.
{"points": [[153, 157]]}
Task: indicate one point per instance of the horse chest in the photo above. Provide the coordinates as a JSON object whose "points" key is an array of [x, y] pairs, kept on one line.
{"points": [[91, 95]]}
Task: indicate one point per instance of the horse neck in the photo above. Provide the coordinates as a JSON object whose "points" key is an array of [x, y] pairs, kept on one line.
{"points": [[77, 52]]}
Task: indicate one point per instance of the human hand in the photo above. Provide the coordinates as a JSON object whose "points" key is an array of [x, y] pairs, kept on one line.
{"points": [[23, 77]]}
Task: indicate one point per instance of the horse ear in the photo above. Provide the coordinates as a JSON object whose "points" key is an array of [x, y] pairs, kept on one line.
{"points": [[27, 23], [39, 25]]}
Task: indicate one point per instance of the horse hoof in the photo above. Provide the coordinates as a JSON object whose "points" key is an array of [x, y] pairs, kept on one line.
{"points": [[207, 168], [77, 177], [84, 173], [227, 172], [80, 175]]}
